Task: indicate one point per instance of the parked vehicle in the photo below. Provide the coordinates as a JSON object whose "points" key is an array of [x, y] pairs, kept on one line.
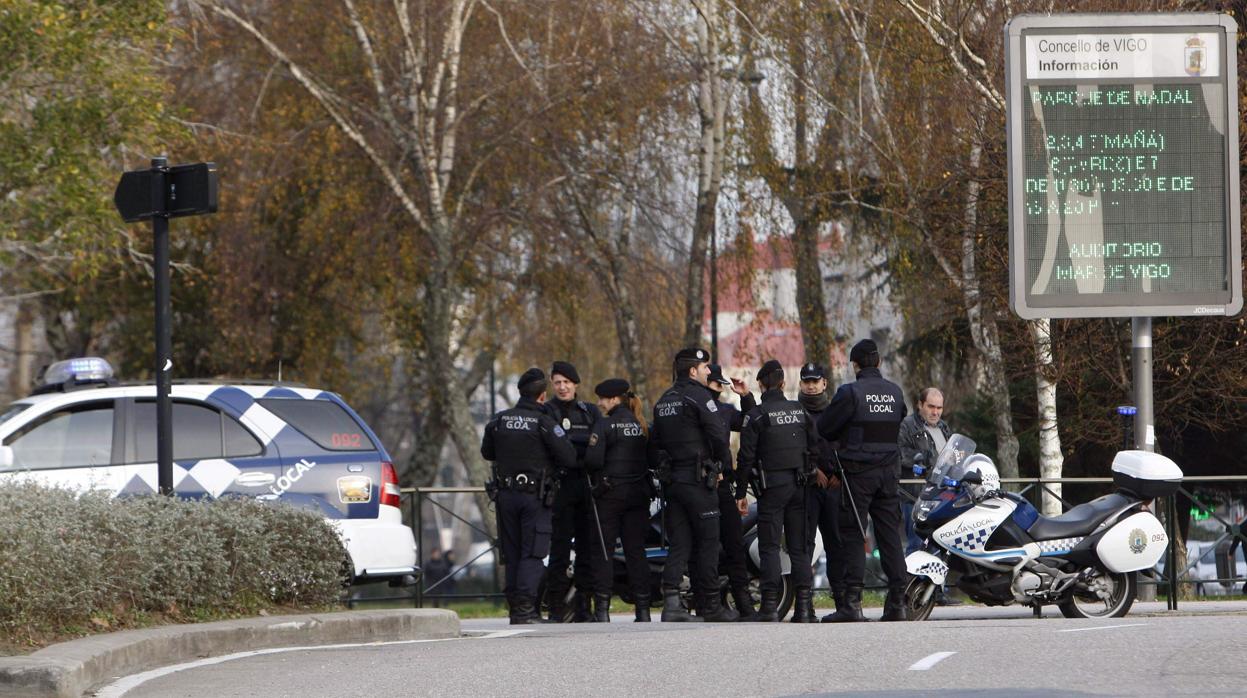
{"points": [[996, 548]]}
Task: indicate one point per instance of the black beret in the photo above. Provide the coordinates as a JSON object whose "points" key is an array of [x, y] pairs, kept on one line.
{"points": [[692, 354], [532, 375], [612, 387], [716, 375], [812, 372], [768, 368], [562, 368], [863, 349]]}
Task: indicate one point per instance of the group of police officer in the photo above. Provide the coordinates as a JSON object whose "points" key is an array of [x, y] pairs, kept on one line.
{"points": [[567, 473]]}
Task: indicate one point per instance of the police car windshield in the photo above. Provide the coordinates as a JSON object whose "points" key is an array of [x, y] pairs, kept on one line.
{"points": [[11, 411], [958, 448]]}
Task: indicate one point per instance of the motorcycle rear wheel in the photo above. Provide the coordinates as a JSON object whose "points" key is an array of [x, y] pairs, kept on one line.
{"points": [[914, 592], [1120, 588]]}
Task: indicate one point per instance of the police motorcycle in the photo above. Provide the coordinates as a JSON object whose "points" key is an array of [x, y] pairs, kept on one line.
{"points": [[996, 548]]}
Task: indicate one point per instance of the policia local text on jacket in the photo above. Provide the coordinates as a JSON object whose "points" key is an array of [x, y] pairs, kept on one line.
{"points": [[774, 441], [864, 417], [526, 447], [688, 447]]}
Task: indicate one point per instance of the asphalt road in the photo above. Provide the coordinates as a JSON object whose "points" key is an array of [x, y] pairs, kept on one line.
{"points": [[966, 651]]}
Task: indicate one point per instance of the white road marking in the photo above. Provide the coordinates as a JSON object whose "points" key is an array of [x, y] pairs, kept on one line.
{"points": [[930, 661], [1103, 627], [126, 684]]}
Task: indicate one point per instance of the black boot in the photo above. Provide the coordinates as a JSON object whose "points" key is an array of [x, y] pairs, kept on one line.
{"points": [[894, 606], [851, 609], [744, 604], [582, 614], [803, 610], [713, 611], [673, 610], [768, 612], [523, 611], [837, 595], [601, 608], [557, 604], [642, 609]]}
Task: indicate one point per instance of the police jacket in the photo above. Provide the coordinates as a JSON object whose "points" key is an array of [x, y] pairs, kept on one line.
{"points": [[576, 417], [825, 447], [524, 439], [617, 446], [913, 438], [776, 436], [865, 417], [687, 426]]}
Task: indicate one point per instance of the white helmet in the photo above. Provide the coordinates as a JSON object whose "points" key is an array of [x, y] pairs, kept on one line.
{"points": [[987, 471]]}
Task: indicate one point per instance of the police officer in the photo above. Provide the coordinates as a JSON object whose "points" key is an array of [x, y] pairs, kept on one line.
{"points": [[526, 447], [777, 438], [865, 417], [616, 460], [573, 513], [731, 532], [822, 502], [688, 449]]}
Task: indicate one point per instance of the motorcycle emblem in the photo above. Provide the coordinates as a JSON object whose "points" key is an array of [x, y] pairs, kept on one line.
{"points": [[1138, 541]]}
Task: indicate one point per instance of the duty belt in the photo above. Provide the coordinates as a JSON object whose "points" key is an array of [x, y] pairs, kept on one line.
{"points": [[524, 482]]}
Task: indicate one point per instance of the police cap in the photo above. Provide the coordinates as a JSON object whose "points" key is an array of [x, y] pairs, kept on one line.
{"points": [[612, 387], [716, 375], [862, 351], [693, 355], [532, 375], [768, 368], [568, 371], [812, 372]]}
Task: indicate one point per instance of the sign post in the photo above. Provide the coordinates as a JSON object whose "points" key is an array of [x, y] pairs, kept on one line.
{"points": [[1124, 173], [161, 193]]}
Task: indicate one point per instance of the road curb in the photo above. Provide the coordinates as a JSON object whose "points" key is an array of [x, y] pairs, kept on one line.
{"points": [[69, 669]]}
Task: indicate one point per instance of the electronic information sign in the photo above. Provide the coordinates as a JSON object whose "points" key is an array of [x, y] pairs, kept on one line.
{"points": [[1123, 165]]}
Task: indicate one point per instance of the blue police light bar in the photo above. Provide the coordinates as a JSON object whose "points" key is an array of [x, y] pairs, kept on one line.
{"points": [[82, 370], [1127, 410]]}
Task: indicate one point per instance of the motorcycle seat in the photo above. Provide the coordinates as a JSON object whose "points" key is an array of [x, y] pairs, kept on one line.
{"points": [[1079, 521]]}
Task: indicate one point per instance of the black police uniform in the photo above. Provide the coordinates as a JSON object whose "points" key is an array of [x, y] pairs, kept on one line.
{"points": [[864, 417], [775, 441], [526, 446], [687, 429], [731, 529], [573, 514], [822, 508], [616, 458]]}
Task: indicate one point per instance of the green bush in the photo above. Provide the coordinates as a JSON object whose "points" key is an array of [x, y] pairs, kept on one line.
{"points": [[72, 562]]}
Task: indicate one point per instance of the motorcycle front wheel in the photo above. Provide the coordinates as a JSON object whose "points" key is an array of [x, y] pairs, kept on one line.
{"points": [[915, 592], [1106, 595]]}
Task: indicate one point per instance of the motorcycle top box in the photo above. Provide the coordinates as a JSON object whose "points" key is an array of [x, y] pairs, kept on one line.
{"points": [[1146, 475]]}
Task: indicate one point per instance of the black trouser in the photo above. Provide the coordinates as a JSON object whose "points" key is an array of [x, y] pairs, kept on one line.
{"points": [[782, 506], [624, 510], [822, 514], [524, 535], [731, 538], [874, 494], [573, 519], [692, 518]]}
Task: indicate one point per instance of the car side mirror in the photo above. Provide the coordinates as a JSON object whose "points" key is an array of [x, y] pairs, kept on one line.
{"points": [[973, 477], [6, 456]]}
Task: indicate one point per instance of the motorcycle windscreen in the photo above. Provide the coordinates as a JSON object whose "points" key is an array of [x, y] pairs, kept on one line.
{"points": [[1134, 543], [958, 448]]}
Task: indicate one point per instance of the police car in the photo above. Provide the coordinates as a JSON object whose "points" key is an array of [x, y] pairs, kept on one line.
{"points": [[81, 429]]}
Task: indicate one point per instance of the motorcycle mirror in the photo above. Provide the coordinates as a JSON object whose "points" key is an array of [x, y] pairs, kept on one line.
{"points": [[973, 477]]}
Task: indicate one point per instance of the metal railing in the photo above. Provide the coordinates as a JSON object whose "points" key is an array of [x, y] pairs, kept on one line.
{"points": [[418, 499]]}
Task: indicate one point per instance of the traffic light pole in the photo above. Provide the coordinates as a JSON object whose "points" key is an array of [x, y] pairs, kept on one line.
{"points": [[164, 341]]}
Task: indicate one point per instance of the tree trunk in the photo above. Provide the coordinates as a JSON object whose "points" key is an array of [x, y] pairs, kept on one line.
{"points": [[811, 303], [1050, 459]]}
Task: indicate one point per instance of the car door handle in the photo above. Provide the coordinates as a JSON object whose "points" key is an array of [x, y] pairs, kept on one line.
{"points": [[255, 479]]}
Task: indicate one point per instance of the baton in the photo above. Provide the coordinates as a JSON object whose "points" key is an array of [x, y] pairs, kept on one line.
{"points": [[596, 519], [844, 482]]}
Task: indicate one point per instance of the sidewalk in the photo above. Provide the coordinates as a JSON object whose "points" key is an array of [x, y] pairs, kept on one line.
{"points": [[68, 669]]}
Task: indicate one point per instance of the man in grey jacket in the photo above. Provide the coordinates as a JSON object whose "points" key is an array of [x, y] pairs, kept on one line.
{"points": [[922, 432]]}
